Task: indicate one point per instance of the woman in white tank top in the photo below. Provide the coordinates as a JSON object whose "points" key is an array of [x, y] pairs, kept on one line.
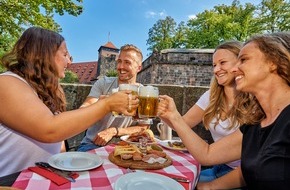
{"points": [[221, 107]]}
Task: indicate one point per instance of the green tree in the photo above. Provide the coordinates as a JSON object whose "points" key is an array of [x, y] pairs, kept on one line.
{"points": [[161, 35], [179, 38], [274, 15], [2, 69], [111, 73], [211, 27], [16, 15], [201, 32], [70, 77], [224, 22]]}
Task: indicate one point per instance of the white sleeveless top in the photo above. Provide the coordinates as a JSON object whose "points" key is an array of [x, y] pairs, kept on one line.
{"points": [[17, 151], [220, 130]]}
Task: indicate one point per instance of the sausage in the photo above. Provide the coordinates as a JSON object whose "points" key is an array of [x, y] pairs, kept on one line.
{"points": [[137, 156], [126, 156], [158, 153]]}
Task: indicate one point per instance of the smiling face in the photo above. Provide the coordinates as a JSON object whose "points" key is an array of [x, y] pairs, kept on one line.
{"points": [[252, 70], [128, 65], [62, 59], [223, 62]]}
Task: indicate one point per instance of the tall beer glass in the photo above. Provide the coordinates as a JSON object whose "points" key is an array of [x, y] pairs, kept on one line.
{"points": [[134, 91], [116, 114], [148, 101]]}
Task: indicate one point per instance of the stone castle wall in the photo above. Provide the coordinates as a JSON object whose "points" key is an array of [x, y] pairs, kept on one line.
{"points": [[178, 67]]}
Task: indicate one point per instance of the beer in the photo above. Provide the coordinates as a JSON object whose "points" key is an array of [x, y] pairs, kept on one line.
{"points": [[148, 102], [116, 114], [147, 107], [134, 91]]}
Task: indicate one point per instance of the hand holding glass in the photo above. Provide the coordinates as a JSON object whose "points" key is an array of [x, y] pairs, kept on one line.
{"points": [[134, 91]]}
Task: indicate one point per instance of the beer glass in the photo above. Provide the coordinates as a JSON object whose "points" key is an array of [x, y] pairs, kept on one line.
{"points": [[148, 101], [134, 91], [116, 114]]}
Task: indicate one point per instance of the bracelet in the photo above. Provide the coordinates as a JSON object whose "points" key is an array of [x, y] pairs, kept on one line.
{"points": [[117, 131]]}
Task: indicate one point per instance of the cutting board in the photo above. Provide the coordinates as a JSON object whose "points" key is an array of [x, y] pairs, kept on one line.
{"points": [[138, 164]]}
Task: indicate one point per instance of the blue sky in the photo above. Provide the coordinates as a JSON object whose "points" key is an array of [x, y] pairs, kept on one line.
{"points": [[127, 21]]}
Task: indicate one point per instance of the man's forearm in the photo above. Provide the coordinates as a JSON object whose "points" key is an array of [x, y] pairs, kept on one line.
{"points": [[130, 130]]}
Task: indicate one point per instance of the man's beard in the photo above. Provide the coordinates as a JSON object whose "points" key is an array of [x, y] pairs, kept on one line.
{"points": [[127, 78]]}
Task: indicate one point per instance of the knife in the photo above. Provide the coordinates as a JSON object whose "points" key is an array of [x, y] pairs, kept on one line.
{"points": [[61, 173], [180, 179]]}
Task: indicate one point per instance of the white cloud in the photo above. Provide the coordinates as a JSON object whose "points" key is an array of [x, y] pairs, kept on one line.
{"points": [[162, 13], [191, 16], [153, 14], [150, 14]]}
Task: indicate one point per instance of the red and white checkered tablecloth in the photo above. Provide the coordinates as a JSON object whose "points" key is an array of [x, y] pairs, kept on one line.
{"points": [[104, 177]]}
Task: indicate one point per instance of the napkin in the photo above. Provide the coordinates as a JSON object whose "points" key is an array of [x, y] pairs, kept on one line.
{"points": [[57, 179], [184, 184], [160, 160]]}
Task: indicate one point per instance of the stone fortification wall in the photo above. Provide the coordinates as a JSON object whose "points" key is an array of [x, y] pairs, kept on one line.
{"points": [[178, 66], [184, 97]]}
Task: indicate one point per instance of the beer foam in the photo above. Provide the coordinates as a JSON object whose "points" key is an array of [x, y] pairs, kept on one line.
{"points": [[114, 90], [149, 91], [128, 87]]}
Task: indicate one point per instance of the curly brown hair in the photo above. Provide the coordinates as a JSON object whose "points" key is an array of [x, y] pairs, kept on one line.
{"points": [[32, 58]]}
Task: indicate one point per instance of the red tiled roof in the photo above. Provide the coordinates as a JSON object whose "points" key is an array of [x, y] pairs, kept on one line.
{"points": [[86, 71], [110, 45]]}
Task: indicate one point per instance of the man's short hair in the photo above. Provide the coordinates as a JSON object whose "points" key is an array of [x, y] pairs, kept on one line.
{"points": [[128, 47]]}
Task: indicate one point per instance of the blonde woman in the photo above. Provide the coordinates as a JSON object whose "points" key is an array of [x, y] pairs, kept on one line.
{"points": [[216, 106], [262, 144]]}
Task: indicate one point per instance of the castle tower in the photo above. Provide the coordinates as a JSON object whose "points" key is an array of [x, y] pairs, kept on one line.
{"points": [[107, 58]]}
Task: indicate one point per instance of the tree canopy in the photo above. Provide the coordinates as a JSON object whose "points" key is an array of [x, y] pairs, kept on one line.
{"points": [[161, 34], [223, 22], [274, 15], [70, 77], [17, 15]]}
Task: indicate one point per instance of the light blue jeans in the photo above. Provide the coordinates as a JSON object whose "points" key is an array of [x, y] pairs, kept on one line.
{"points": [[214, 172], [84, 147]]}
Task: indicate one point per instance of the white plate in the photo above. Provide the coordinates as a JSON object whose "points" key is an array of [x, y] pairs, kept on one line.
{"points": [[125, 138], [146, 181], [75, 161], [164, 143]]}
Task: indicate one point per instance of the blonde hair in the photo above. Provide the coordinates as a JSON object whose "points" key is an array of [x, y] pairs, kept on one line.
{"points": [[32, 58], [131, 47], [244, 102]]}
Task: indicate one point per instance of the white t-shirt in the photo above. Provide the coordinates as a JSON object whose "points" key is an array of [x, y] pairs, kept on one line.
{"points": [[220, 130], [18, 151]]}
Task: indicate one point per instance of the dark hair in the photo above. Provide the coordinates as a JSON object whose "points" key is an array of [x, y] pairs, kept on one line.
{"points": [[33, 58], [276, 48]]}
